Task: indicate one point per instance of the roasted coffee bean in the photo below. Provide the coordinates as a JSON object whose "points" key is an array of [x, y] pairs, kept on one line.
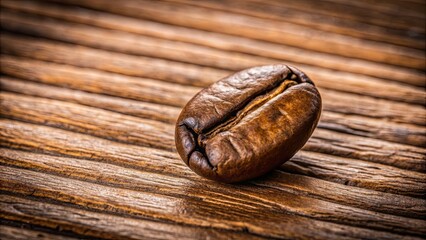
{"points": [[249, 123]]}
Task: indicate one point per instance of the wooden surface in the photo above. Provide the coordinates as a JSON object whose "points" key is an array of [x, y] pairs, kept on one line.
{"points": [[90, 91]]}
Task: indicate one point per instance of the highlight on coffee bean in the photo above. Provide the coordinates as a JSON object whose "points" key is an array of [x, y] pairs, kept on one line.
{"points": [[249, 123]]}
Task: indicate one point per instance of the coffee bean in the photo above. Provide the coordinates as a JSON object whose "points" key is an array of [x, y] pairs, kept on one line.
{"points": [[249, 123]]}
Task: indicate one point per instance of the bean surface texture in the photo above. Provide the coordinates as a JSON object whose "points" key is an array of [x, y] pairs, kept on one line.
{"points": [[249, 123]]}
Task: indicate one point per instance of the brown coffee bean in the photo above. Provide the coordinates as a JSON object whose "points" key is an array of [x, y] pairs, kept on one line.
{"points": [[249, 123]]}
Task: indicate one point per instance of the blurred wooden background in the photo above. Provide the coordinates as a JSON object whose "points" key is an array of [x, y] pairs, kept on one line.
{"points": [[90, 90]]}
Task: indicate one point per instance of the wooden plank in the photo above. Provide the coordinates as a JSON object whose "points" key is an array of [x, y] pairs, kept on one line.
{"points": [[137, 66], [150, 133], [55, 141], [355, 173], [101, 225], [349, 104], [346, 12], [373, 150], [359, 126], [158, 69], [315, 20], [367, 127], [99, 82], [84, 146], [90, 91], [268, 30], [278, 181], [269, 219], [88, 120], [218, 41], [407, 10], [20, 233], [119, 104], [154, 47], [130, 88], [400, 7], [129, 43]]}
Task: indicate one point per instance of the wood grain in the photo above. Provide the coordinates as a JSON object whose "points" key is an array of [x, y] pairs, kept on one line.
{"points": [[155, 134], [145, 181], [88, 120], [152, 47], [100, 225], [118, 103], [373, 150], [143, 67], [346, 10], [90, 92], [108, 61], [367, 127], [262, 29], [312, 164], [55, 141], [360, 126], [135, 67], [98, 82], [347, 104], [316, 20], [168, 207], [19, 233], [129, 43], [216, 40]]}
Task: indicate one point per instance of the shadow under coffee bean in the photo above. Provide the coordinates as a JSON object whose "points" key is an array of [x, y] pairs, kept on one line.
{"points": [[249, 123]]}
